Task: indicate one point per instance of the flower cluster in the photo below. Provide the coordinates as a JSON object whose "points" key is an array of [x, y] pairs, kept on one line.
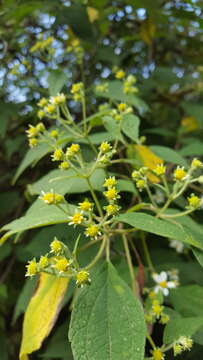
{"points": [[122, 109], [140, 177], [106, 152], [49, 106], [57, 263], [77, 90], [66, 157], [111, 195], [33, 133], [75, 48], [182, 344]]}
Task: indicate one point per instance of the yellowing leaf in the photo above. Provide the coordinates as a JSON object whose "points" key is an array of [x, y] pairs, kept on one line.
{"points": [[189, 123], [148, 159], [42, 312], [93, 14], [147, 31]]}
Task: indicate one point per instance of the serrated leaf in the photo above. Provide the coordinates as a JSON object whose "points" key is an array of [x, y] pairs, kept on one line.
{"points": [[42, 312], [100, 310], [130, 126], [159, 227], [67, 182], [178, 327], [39, 214]]}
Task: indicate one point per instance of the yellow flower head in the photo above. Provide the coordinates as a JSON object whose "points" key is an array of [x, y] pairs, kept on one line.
{"points": [[122, 107], [177, 349], [40, 127], [76, 88], [86, 205], [194, 201], [43, 262], [51, 198], [42, 102], [33, 142], [120, 74], [76, 219], [157, 308], [64, 165], [82, 277], [57, 155], [160, 170], [110, 182], [72, 150], [92, 231], [164, 319], [196, 163], [56, 246], [111, 194], [32, 131], [141, 184], [111, 209], [40, 114], [58, 99], [50, 109], [179, 173], [31, 268], [54, 134], [157, 354], [62, 264], [135, 175], [105, 147]]}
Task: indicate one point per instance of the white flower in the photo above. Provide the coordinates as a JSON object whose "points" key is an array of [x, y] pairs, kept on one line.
{"points": [[162, 284], [177, 245]]}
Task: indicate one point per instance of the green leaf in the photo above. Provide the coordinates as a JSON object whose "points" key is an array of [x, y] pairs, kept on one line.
{"points": [[130, 126], [112, 126], [126, 185], [193, 149], [67, 182], [169, 155], [56, 80], [199, 256], [39, 214], [100, 310], [32, 156], [178, 327], [159, 227], [188, 300], [115, 92]]}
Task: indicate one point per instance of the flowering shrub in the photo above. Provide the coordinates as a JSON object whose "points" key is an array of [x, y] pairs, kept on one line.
{"points": [[113, 226]]}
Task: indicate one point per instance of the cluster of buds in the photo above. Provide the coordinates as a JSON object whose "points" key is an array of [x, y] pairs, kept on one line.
{"points": [[104, 87], [77, 90], [42, 45], [156, 310], [111, 195], [66, 157], [84, 216], [129, 85], [33, 133], [122, 109], [182, 344], [76, 48], [140, 177], [106, 152], [49, 106], [57, 263]]}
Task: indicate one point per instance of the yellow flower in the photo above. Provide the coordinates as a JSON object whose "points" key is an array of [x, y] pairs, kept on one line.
{"points": [[40, 127], [51, 198], [61, 264], [122, 107], [32, 131], [43, 262], [157, 308], [56, 246], [58, 99], [111, 209], [31, 268], [42, 102], [64, 165], [92, 231], [57, 155], [141, 184], [76, 88], [179, 173], [40, 114], [196, 163], [111, 194], [186, 342], [86, 205], [33, 142], [110, 182], [72, 150], [177, 349], [135, 175], [160, 170], [120, 74], [194, 201], [157, 354], [50, 108], [82, 277], [164, 319], [76, 219], [105, 147], [54, 134]]}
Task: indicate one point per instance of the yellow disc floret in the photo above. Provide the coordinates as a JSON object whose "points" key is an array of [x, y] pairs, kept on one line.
{"points": [[194, 201], [62, 264], [120, 74], [56, 246], [160, 170], [196, 163], [111, 194], [157, 354], [92, 231], [57, 155], [180, 173], [76, 219], [111, 209], [51, 198], [31, 268], [43, 262], [105, 147], [64, 165], [86, 205], [110, 182], [33, 142], [32, 131], [42, 102], [82, 277], [141, 184]]}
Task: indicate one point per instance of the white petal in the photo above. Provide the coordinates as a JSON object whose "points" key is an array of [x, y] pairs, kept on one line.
{"points": [[156, 289], [165, 291], [171, 284], [163, 276]]}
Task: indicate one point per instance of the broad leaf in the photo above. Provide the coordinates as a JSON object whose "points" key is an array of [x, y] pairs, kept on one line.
{"points": [[56, 80], [192, 305], [178, 327], [102, 309], [169, 155], [42, 312], [130, 126], [159, 227]]}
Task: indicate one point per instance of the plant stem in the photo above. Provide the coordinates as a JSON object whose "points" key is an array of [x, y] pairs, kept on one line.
{"points": [[99, 254], [130, 264], [146, 252], [94, 197]]}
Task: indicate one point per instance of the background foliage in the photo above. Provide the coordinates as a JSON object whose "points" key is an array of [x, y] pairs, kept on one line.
{"points": [[159, 42]]}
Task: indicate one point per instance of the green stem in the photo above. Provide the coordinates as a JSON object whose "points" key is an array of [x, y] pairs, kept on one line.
{"points": [[178, 214], [94, 197], [99, 254], [130, 264], [146, 252]]}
